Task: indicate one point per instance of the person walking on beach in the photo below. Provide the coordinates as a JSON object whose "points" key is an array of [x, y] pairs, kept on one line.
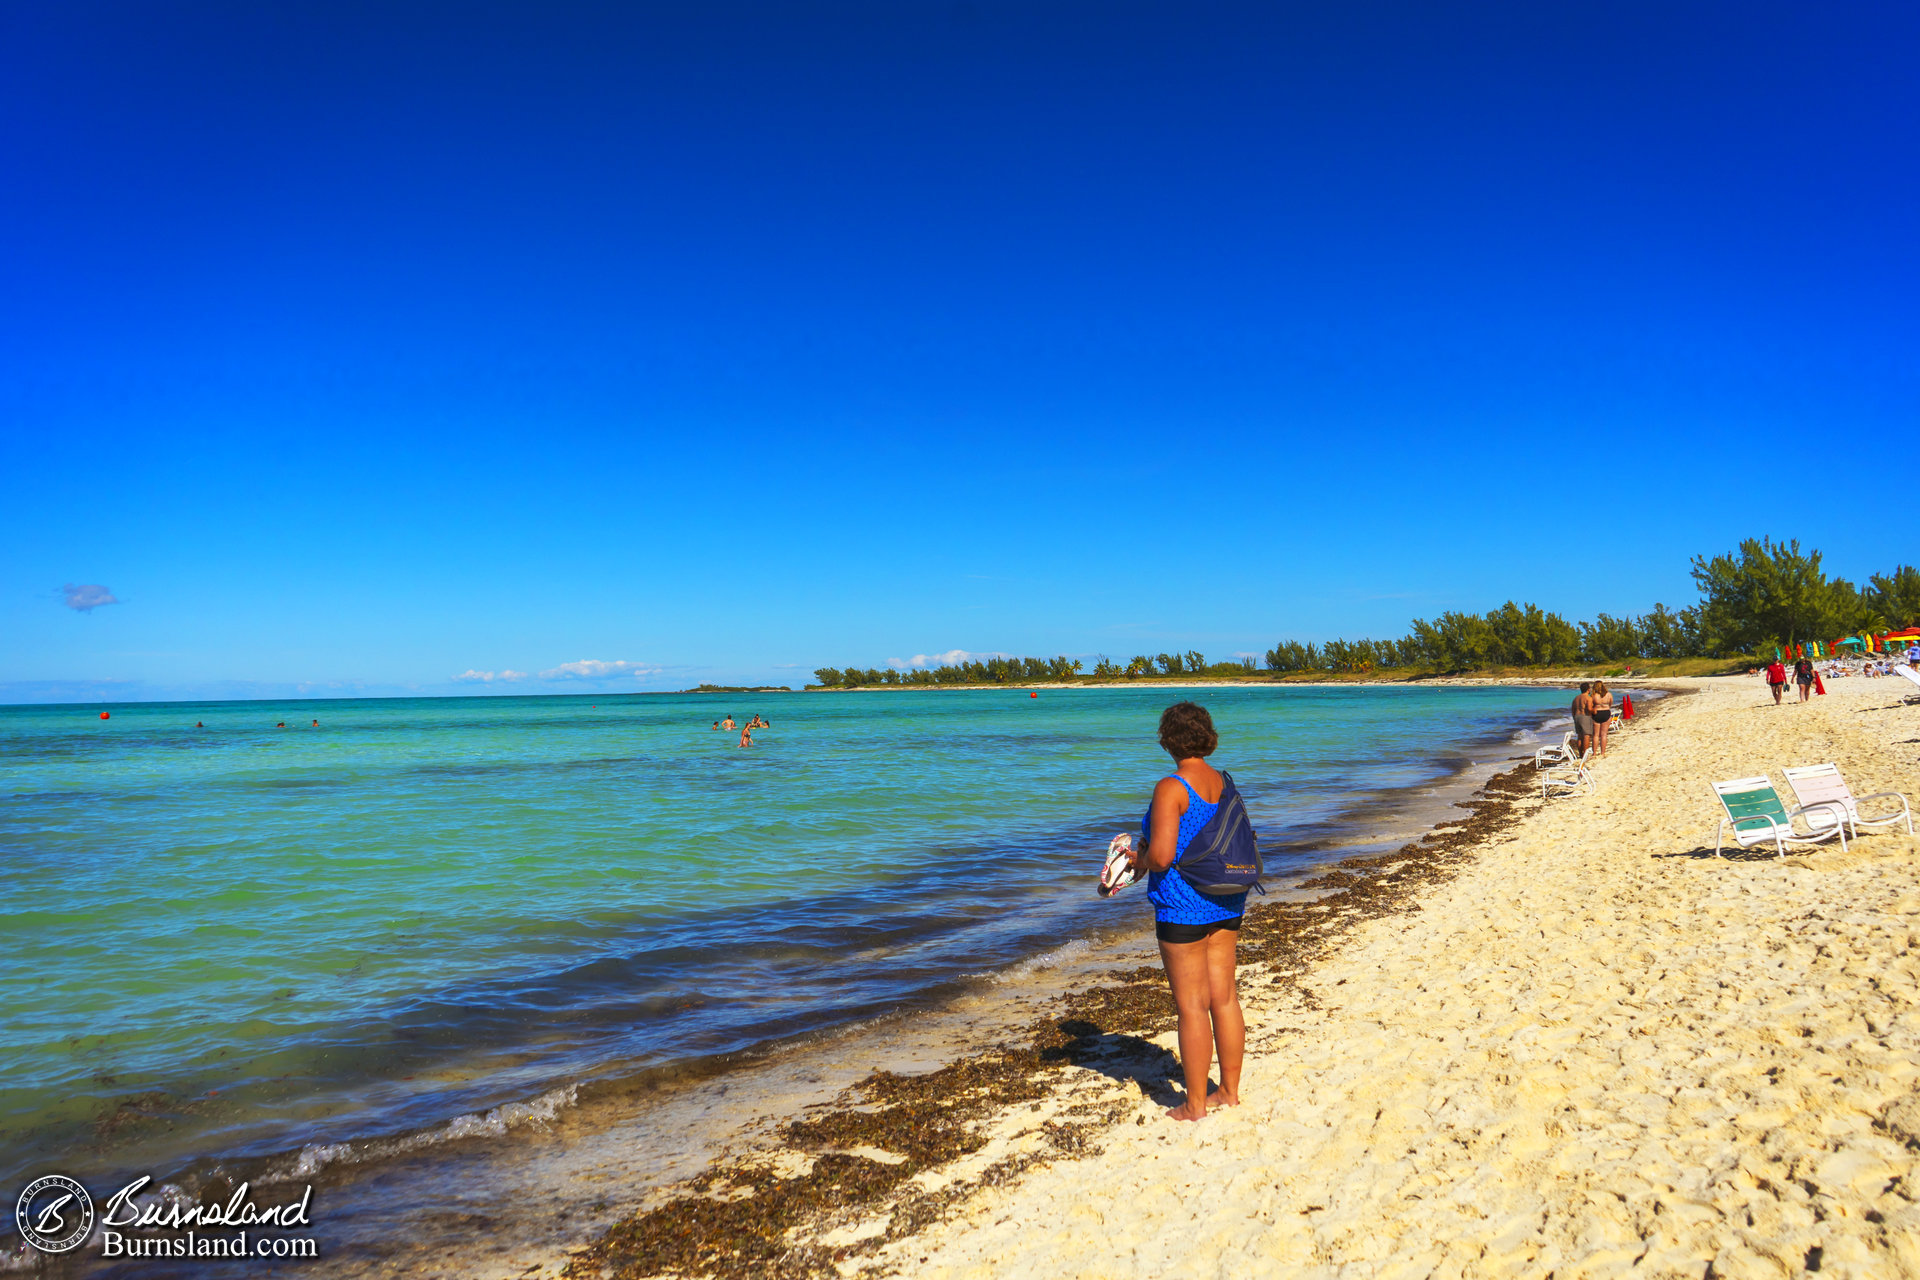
{"points": [[1776, 679], [1600, 701], [1803, 676], [1583, 719], [1199, 934]]}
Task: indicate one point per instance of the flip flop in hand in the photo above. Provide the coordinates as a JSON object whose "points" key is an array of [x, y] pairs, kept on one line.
{"points": [[1118, 873]]}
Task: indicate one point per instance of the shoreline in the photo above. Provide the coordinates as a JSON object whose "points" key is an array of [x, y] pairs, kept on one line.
{"points": [[1476, 1055], [808, 1202], [709, 1093], [1590, 1048]]}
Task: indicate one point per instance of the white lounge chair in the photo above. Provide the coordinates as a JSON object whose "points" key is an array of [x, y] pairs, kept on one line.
{"points": [[1562, 754], [1568, 778], [1908, 672], [1822, 785], [1756, 817]]}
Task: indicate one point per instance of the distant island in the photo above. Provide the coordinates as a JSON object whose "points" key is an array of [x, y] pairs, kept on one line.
{"points": [[739, 688]]}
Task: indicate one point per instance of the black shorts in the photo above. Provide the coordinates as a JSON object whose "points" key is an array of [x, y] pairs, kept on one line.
{"points": [[1192, 932]]}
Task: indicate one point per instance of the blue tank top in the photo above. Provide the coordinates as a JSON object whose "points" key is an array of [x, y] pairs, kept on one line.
{"points": [[1174, 900]]}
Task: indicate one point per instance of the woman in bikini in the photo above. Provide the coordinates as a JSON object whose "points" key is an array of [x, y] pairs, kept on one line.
{"points": [[1199, 934], [1600, 703]]}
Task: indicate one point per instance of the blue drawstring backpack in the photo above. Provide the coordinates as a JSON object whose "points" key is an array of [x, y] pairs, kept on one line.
{"points": [[1224, 856]]}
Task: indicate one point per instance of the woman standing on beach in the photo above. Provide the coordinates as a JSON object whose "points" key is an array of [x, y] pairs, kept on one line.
{"points": [[1600, 703], [1803, 676], [1199, 934]]}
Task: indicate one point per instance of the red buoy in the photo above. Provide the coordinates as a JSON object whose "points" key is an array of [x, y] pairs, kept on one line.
{"points": [[1033, 695], [105, 716]]}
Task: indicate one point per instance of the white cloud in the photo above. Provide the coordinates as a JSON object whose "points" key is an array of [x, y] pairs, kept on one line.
{"points": [[471, 676], [951, 658], [85, 597], [595, 669]]}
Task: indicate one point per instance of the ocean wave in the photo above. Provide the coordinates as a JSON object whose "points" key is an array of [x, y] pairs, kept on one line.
{"points": [[1067, 953], [496, 1123]]}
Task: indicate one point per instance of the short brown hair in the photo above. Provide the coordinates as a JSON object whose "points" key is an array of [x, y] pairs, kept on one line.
{"points": [[1186, 731]]}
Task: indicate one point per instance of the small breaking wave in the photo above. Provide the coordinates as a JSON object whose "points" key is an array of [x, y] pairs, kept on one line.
{"points": [[496, 1123], [1068, 953]]}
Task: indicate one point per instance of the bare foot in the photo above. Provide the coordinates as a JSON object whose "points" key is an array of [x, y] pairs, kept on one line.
{"points": [[1185, 1111], [1221, 1098]]}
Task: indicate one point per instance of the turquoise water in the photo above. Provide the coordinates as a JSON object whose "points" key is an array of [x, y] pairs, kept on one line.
{"points": [[243, 939]]}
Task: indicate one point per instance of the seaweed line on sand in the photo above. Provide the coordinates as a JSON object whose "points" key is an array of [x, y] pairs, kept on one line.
{"points": [[895, 1153]]}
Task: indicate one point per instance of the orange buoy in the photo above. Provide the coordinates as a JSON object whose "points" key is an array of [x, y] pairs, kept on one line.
{"points": [[105, 716], [1032, 695]]}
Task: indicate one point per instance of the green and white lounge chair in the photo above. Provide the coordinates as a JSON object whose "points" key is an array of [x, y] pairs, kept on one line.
{"points": [[1756, 817], [1568, 779], [1822, 785]]}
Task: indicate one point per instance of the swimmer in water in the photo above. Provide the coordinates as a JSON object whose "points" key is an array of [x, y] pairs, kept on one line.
{"points": [[746, 737], [728, 722], [198, 725], [316, 724], [281, 725], [716, 724]]}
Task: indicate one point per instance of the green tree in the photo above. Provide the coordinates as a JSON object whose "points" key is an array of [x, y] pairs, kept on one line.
{"points": [[1666, 634], [1196, 661], [828, 676], [1770, 593], [1456, 641], [1608, 639], [1895, 597]]}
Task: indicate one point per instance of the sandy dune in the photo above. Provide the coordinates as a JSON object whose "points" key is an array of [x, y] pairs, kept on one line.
{"points": [[1597, 1051]]}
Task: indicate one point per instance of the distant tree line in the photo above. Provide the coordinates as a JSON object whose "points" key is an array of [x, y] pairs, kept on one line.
{"points": [[1190, 663], [1766, 593], [1028, 670], [972, 671]]}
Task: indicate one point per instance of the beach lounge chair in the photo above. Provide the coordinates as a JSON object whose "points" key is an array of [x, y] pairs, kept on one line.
{"points": [[1562, 754], [1756, 817], [1822, 785], [1569, 778], [1907, 672]]}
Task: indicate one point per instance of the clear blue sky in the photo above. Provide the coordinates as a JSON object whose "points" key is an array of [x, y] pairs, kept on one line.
{"points": [[354, 347]]}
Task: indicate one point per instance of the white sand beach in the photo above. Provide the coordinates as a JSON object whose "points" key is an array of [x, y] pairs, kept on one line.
{"points": [[1598, 1050]]}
